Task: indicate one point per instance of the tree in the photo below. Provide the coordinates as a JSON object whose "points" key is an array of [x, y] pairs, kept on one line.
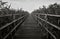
{"points": [[54, 8], [2, 4]]}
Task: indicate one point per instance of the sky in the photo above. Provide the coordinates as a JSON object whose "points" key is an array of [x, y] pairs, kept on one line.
{"points": [[30, 5]]}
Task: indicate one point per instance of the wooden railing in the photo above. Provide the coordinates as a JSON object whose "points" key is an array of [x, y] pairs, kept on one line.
{"points": [[45, 19], [47, 14], [9, 15], [7, 31]]}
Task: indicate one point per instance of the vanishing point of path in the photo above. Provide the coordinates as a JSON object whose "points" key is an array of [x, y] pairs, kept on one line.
{"points": [[30, 30]]}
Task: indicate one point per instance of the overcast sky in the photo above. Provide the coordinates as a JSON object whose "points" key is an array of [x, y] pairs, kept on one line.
{"points": [[30, 5]]}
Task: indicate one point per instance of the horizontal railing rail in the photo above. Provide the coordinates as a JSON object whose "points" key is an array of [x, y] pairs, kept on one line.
{"points": [[14, 27], [10, 23], [11, 26], [48, 14], [8, 15], [44, 26], [49, 23]]}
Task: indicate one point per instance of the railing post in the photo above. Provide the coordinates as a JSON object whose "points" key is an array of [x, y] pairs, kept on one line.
{"points": [[59, 22], [11, 36], [14, 25], [48, 36], [14, 19], [0, 35], [37, 19]]}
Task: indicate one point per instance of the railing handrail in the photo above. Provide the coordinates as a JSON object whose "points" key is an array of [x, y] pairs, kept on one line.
{"points": [[12, 30], [46, 29], [10, 23], [48, 14], [8, 15], [49, 23]]}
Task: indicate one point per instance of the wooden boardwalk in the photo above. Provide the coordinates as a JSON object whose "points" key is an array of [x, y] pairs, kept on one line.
{"points": [[30, 30]]}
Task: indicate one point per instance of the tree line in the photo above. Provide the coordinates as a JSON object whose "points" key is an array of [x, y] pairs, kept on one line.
{"points": [[5, 10], [51, 9]]}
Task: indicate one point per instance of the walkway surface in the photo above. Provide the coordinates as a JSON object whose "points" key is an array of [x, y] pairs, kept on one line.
{"points": [[30, 30]]}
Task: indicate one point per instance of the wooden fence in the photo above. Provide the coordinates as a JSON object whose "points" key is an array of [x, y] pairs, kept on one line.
{"points": [[8, 30], [44, 19]]}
